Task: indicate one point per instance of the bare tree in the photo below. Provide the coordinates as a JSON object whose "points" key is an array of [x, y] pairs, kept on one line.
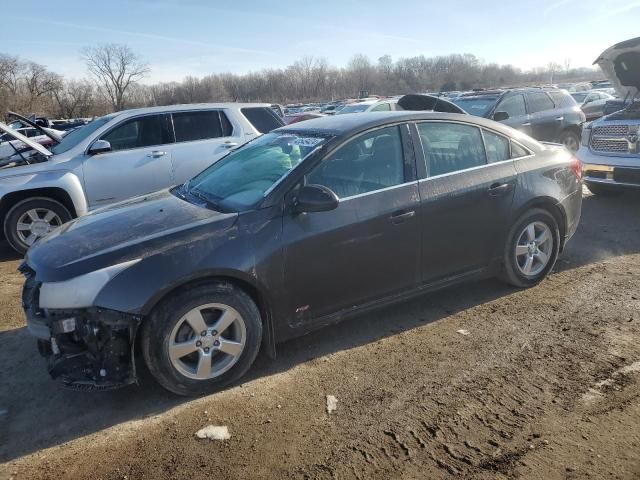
{"points": [[116, 68], [74, 98]]}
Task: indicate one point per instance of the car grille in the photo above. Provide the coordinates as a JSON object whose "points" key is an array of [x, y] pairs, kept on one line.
{"points": [[610, 138]]}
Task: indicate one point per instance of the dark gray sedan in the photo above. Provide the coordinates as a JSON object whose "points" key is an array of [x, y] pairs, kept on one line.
{"points": [[297, 229]]}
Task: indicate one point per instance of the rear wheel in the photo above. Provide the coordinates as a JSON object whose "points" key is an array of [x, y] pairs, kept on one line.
{"points": [[201, 340], [532, 249], [32, 218], [570, 139]]}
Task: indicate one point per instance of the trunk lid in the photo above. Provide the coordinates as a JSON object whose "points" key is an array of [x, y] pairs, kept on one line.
{"points": [[621, 65]]}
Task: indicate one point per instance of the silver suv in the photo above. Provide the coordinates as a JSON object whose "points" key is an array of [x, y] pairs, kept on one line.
{"points": [[117, 157], [610, 146]]}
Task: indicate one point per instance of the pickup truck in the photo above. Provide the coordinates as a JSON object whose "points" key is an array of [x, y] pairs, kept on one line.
{"points": [[116, 157]]}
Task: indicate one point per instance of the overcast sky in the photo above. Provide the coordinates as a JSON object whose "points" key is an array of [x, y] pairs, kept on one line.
{"points": [[197, 37]]}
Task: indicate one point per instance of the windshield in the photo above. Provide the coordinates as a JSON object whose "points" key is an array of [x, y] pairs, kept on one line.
{"points": [[241, 179], [74, 137], [354, 108], [579, 97], [478, 106]]}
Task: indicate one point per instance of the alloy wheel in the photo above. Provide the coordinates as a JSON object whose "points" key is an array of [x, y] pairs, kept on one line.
{"points": [[207, 341], [534, 249], [36, 223]]}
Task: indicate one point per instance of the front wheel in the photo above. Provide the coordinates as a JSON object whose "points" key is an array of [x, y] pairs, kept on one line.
{"points": [[202, 339], [32, 218], [532, 249]]}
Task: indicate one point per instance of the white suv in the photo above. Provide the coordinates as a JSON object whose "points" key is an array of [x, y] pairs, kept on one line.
{"points": [[116, 157]]}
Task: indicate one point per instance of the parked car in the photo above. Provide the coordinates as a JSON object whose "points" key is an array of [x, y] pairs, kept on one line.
{"points": [[301, 117], [331, 109], [31, 128], [610, 149], [369, 106], [116, 157], [546, 114], [592, 103], [298, 229]]}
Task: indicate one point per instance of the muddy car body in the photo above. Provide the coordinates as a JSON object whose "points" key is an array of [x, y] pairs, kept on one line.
{"points": [[348, 213]]}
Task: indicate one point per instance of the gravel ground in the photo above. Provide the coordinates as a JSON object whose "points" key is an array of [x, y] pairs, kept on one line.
{"points": [[545, 385]]}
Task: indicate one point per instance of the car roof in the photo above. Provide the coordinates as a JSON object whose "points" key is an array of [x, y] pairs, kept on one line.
{"points": [[352, 123], [189, 106]]}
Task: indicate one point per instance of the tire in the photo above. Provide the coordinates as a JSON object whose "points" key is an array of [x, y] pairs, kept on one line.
{"points": [[570, 139], [603, 190], [515, 260], [20, 219], [173, 350]]}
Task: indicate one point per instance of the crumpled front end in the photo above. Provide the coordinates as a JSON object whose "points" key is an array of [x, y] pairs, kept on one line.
{"points": [[87, 348]]}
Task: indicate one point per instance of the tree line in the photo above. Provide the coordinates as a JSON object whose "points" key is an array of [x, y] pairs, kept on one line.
{"points": [[115, 73]]}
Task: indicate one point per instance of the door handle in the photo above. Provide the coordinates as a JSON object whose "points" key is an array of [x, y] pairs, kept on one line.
{"points": [[559, 119], [528, 124], [229, 144], [499, 189], [402, 215], [156, 154]]}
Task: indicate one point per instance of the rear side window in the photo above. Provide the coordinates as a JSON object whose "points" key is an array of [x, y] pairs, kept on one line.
{"points": [[383, 107], [139, 132], [200, 125], [539, 102], [263, 119], [562, 99], [517, 151], [497, 147], [451, 147], [513, 105]]}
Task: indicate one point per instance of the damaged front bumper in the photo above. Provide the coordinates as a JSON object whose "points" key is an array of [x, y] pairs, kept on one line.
{"points": [[86, 349]]}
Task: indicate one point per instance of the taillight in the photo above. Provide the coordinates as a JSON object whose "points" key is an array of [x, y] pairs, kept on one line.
{"points": [[576, 168]]}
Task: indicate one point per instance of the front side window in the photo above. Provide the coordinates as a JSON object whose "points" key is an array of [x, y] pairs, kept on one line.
{"points": [[513, 105], [497, 147], [451, 147], [370, 162], [190, 126], [539, 102], [146, 131], [241, 179]]}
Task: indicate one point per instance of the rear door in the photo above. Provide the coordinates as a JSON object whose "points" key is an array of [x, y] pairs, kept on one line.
{"points": [[202, 137], [514, 105], [545, 121], [466, 197], [367, 248], [139, 161]]}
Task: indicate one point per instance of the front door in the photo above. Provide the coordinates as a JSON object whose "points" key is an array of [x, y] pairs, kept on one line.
{"points": [[367, 248], [139, 161], [515, 107], [466, 198], [545, 119]]}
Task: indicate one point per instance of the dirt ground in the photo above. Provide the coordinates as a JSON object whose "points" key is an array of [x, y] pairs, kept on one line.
{"points": [[546, 385]]}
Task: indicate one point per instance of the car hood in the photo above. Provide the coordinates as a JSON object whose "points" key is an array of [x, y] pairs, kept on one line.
{"points": [[27, 141], [137, 228], [621, 65]]}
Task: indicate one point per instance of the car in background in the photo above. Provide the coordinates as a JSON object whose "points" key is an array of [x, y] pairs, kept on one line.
{"points": [[610, 148], [370, 106], [118, 156], [37, 129], [332, 109], [592, 103], [295, 230], [546, 114], [610, 91], [301, 117]]}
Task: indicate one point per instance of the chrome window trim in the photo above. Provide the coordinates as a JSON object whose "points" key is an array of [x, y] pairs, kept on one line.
{"points": [[469, 169], [392, 187]]}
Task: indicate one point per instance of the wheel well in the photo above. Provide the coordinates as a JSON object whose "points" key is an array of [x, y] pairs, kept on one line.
{"points": [[572, 128], [549, 206], [57, 194], [268, 340]]}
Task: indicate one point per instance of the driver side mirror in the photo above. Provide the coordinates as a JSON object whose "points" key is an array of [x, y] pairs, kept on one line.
{"points": [[100, 146], [500, 116], [315, 198]]}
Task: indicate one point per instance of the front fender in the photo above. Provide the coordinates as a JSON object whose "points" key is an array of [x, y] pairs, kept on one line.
{"points": [[60, 179]]}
